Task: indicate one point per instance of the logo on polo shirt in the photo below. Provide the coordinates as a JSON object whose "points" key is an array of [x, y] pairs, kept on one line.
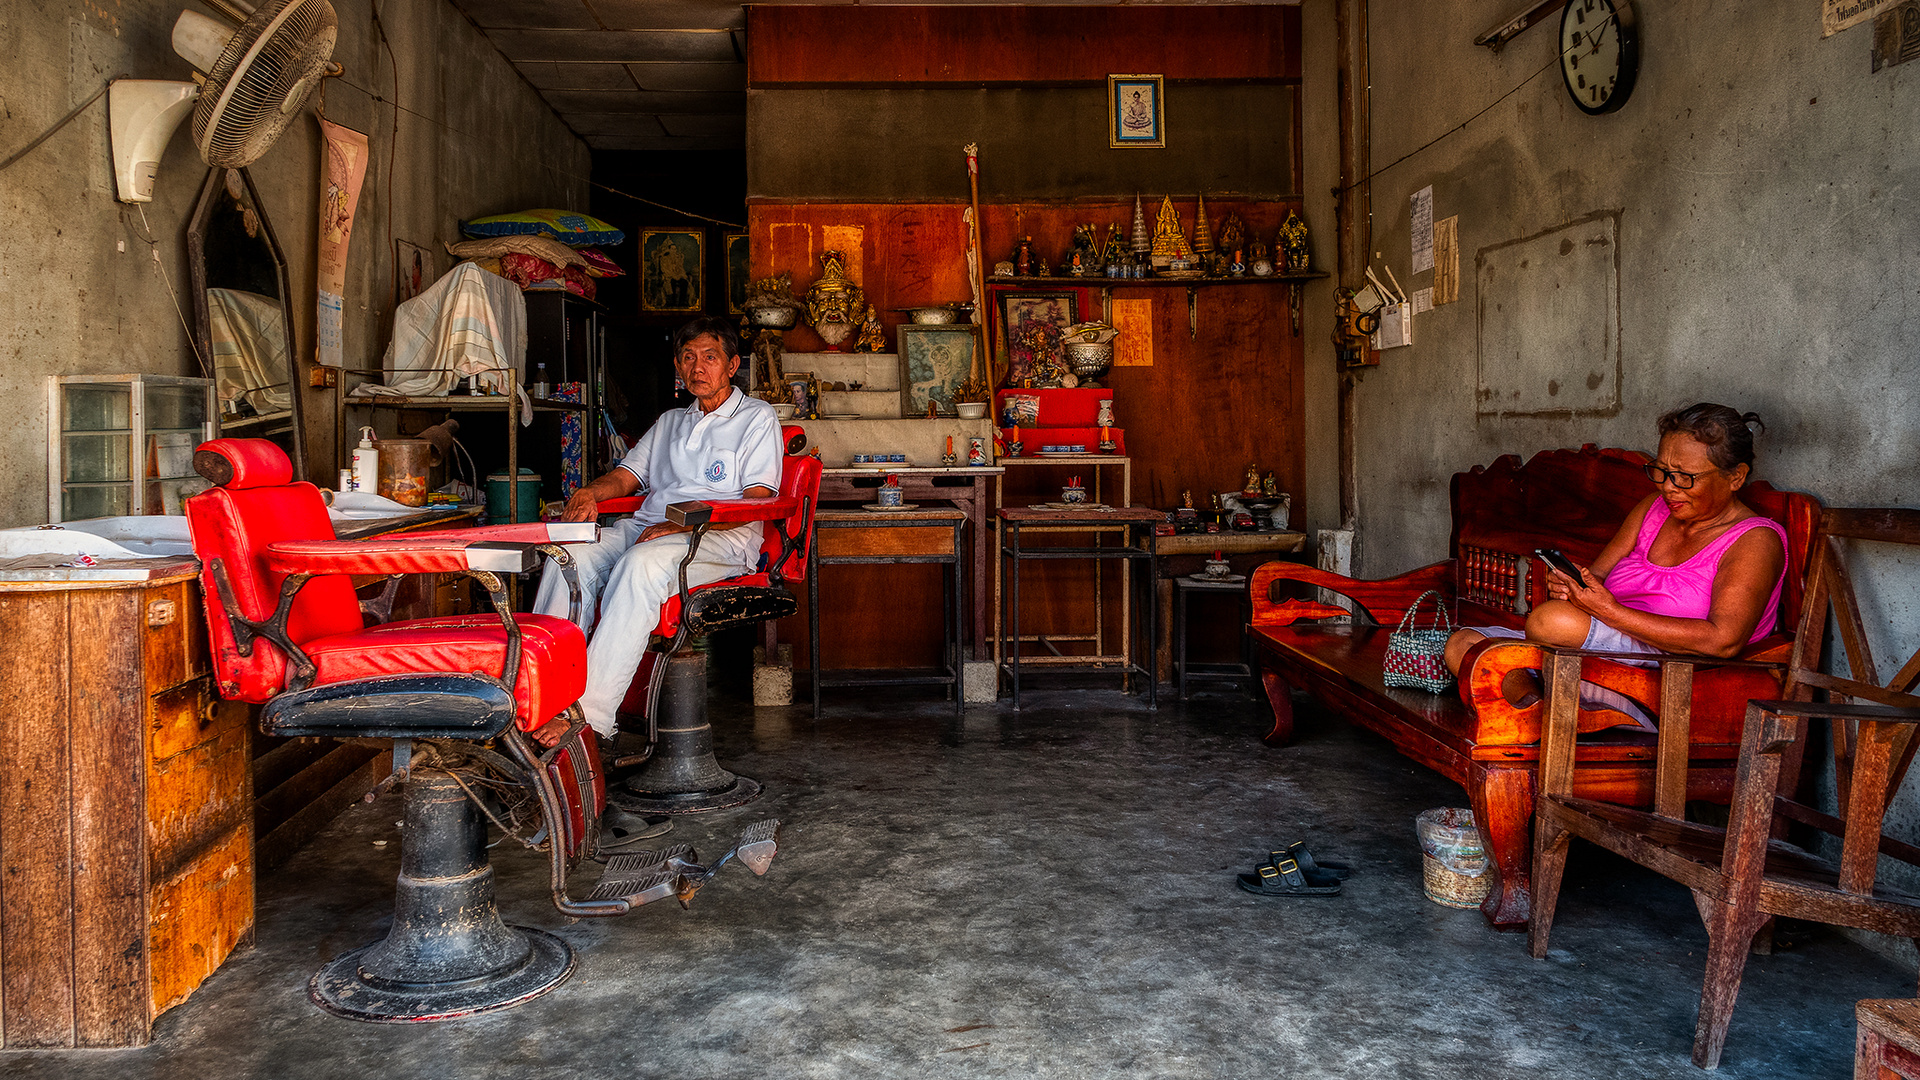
{"points": [[717, 471]]}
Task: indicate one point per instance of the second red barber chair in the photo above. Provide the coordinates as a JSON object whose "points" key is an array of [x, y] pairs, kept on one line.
{"points": [[668, 698]]}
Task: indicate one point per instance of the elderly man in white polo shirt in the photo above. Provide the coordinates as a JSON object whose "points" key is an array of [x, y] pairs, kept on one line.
{"points": [[725, 445]]}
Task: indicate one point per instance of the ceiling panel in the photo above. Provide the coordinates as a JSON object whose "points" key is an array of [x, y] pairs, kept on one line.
{"points": [[544, 14], [733, 126], [686, 77], [665, 143], [568, 102], [545, 76], [668, 14], [615, 45], [587, 124]]}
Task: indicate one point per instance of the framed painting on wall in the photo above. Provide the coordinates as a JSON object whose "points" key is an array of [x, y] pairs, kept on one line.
{"points": [[1136, 113], [934, 362], [735, 253], [1033, 323], [672, 268]]}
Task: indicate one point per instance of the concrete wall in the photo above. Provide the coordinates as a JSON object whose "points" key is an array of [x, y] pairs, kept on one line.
{"points": [[72, 301], [1763, 198], [1762, 182]]}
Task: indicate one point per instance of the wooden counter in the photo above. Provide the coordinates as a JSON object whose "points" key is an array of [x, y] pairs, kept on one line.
{"points": [[126, 809]]}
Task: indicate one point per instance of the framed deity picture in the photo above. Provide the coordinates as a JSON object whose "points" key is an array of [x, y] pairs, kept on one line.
{"points": [[935, 360], [734, 248], [1033, 323], [1136, 115], [672, 269]]}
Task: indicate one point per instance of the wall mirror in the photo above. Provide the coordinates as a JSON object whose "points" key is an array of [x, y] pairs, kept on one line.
{"points": [[243, 315]]}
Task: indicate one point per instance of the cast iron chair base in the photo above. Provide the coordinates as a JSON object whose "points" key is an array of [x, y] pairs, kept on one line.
{"points": [[682, 776], [448, 953]]}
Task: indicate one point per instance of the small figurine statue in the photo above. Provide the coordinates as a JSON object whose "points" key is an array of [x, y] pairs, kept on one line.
{"points": [[1142, 243], [1259, 263], [872, 339], [1186, 499], [1251, 489], [1270, 487], [1292, 242], [1169, 240], [1082, 258], [1233, 237], [1114, 258]]}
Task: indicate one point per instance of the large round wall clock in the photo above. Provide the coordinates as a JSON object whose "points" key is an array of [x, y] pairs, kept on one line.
{"points": [[1599, 53]]}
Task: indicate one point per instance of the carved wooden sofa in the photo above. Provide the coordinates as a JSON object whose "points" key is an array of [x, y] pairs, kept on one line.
{"points": [[1570, 499]]}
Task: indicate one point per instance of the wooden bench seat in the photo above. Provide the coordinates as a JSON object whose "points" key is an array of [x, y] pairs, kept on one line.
{"points": [[1470, 734]]}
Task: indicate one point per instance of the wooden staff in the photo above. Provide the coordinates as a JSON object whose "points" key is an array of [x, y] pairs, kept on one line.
{"points": [[974, 278]]}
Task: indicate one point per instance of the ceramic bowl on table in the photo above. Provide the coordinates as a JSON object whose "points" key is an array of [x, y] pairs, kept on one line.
{"points": [[783, 410], [970, 410]]}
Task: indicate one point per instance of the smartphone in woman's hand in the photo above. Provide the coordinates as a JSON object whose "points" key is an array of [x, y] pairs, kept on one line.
{"points": [[1557, 559]]}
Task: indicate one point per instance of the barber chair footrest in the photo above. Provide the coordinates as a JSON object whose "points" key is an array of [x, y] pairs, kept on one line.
{"points": [[641, 877], [340, 988]]}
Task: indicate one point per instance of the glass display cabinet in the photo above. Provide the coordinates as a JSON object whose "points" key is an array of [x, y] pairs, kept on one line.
{"points": [[123, 444]]}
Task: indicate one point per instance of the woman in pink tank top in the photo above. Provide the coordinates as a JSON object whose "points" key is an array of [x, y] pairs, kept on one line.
{"points": [[1691, 570]]}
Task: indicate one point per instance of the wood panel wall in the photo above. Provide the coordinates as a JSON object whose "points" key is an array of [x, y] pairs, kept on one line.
{"points": [[1031, 46], [1209, 405]]}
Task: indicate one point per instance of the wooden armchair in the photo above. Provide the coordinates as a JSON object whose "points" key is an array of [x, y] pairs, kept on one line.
{"points": [[1741, 876]]}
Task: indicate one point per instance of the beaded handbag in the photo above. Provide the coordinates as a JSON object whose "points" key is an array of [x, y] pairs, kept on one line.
{"points": [[1417, 658]]}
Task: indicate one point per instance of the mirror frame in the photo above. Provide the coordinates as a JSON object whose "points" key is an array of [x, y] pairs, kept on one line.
{"points": [[203, 318]]}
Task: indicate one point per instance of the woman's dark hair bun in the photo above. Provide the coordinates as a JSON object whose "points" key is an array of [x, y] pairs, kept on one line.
{"points": [[1727, 433]]}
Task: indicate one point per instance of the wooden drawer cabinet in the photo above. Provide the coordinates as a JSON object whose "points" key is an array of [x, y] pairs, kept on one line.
{"points": [[126, 810]]}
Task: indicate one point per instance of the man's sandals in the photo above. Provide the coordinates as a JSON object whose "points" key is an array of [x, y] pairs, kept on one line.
{"points": [[1294, 872]]}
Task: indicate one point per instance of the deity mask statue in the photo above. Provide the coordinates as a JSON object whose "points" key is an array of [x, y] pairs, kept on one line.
{"points": [[834, 304]]}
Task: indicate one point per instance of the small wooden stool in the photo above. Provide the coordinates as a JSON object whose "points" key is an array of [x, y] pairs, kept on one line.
{"points": [[1888, 1044]]}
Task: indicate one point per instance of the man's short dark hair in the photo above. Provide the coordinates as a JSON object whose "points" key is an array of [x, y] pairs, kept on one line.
{"points": [[719, 326]]}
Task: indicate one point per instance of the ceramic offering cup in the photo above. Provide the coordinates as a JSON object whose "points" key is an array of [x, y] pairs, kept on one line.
{"points": [[1015, 447], [1218, 568], [860, 459], [1073, 495], [889, 493]]}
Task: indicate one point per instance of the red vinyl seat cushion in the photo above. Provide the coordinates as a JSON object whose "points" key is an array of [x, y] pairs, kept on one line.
{"points": [[553, 670]]}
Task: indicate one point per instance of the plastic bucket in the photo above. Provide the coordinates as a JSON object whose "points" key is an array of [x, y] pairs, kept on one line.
{"points": [[497, 497], [1451, 858]]}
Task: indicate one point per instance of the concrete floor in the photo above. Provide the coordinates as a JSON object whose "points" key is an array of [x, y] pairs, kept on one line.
{"points": [[1049, 893]]}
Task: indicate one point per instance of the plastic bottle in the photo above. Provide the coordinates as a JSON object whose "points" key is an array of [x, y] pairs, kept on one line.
{"points": [[366, 463], [540, 387]]}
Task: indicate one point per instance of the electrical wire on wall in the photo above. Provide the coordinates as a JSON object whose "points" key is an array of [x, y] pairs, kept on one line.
{"points": [[1558, 55], [145, 236]]}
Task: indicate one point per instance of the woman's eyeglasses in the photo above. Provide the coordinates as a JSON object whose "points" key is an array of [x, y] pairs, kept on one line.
{"points": [[1681, 480]]}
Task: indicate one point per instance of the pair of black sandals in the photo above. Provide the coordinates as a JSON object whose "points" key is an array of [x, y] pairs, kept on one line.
{"points": [[1295, 872]]}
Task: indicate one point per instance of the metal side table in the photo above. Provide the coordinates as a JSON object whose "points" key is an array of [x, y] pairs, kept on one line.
{"points": [[1134, 528]]}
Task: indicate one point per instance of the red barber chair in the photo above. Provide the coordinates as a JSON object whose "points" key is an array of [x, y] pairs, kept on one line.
{"points": [[668, 697], [458, 699]]}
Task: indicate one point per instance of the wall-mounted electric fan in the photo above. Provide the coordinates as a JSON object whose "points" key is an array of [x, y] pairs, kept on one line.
{"points": [[254, 81]]}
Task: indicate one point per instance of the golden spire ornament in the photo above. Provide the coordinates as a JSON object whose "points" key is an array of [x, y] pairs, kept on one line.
{"points": [[1202, 231]]}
